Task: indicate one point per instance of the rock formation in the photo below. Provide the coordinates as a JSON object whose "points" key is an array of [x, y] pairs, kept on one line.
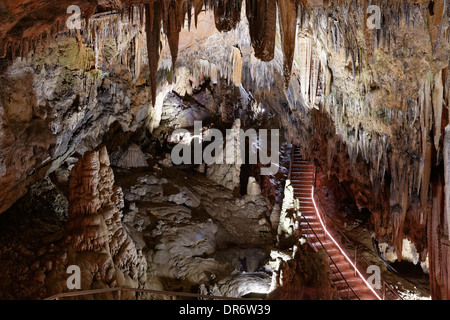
{"points": [[133, 157], [253, 188], [227, 174], [95, 231], [305, 276]]}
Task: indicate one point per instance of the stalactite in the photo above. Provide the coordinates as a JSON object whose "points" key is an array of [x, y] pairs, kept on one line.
{"points": [[173, 13], [198, 5], [426, 172], [153, 31], [437, 99], [227, 14], [237, 66], [288, 14], [262, 19]]}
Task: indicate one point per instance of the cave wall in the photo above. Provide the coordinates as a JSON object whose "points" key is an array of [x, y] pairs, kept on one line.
{"points": [[381, 100], [63, 98]]}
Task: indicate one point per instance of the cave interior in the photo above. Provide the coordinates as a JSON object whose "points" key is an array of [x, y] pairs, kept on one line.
{"points": [[180, 146]]}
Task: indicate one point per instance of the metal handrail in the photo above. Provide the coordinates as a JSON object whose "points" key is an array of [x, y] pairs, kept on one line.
{"points": [[119, 291], [350, 243], [314, 181], [329, 256]]}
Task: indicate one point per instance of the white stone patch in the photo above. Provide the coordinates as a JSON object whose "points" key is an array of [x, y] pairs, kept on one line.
{"points": [[253, 188]]}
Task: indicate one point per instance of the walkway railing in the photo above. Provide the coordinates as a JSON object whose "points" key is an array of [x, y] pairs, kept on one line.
{"points": [[120, 290], [349, 244], [349, 287]]}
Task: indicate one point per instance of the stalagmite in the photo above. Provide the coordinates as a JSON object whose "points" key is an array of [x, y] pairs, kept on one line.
{"points": [[94, 225], [133, 158], [253, 188]]}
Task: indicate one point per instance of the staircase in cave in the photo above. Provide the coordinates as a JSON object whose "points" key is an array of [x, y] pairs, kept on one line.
{"points": [[349, 285]]}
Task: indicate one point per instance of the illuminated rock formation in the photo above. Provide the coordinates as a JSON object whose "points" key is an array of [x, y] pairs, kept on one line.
{"points": [[95, 228], [227, 174]]}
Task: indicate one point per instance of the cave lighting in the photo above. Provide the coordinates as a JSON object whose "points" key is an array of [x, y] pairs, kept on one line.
{"points": [[340, 249]]}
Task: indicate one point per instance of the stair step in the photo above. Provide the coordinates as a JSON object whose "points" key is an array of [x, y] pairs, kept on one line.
{"points": [[342, 263], [326, 244], [360, 290], [367, 296], [339, 259], [312, 224], [335, 251], [312, 235], [308, 217], [308, 212], [345, 272], [353, 282]]}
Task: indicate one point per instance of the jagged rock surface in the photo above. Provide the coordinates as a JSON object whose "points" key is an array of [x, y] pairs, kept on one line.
{"points": [[95, 230], [133, 157]]}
